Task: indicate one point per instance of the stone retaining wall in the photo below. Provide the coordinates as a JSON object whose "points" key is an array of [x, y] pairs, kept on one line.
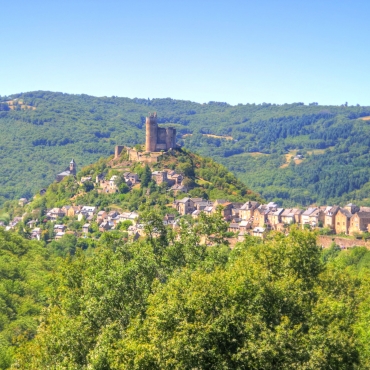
{"points": [[326, 240]]}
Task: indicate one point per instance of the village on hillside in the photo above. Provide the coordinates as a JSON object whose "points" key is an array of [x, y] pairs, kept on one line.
{"points": [[243, 218], [249, 218]]}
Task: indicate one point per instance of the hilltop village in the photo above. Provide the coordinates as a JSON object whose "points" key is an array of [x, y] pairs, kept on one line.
{"points": [[249, 217]]}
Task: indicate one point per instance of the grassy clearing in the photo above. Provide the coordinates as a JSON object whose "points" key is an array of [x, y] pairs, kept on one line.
{"points": [[288, 158], [316, 151], [200, 181], [250, 154], [210, 135]]}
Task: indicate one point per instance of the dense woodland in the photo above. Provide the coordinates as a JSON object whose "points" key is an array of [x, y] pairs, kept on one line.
{"points": [[174, 303], [45, 130]]}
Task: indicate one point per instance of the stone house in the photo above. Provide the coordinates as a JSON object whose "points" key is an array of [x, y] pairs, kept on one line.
{"points": [[112, 215], [352, 208], [178, 188], [86, 212], [159, 177], [131, 177], [67, 211], [245, 225], [305, 217], [124, 216], [342, 221], [317, 217], [197, 200], [259, 217], [201, 204], [233, 227], [105, 225], [112, 182], [102, 215], [291, 216], [185, 206], [59, 228], [329, 220], [129, 216], [274, 216], [359, 222], [259, 231], [71, 211], [247, 209], [85, 228], [90, 210], [226, 211], [176, 177], [208, 210], [219, 202], [168, 219], [55, 213]]}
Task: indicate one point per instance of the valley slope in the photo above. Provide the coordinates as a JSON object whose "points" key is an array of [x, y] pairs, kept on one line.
{"points": [[42, 131]]}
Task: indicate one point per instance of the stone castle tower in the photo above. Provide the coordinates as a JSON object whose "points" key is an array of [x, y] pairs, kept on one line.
{"points": [[158, 138]]}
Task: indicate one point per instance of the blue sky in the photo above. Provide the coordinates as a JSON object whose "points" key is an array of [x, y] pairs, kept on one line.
{"points": [[233, 51]]}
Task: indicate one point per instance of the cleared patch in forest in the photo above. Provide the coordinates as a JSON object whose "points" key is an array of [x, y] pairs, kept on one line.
{"points": [[288, 158], [214, 136], [201, 181], [250, 154]]}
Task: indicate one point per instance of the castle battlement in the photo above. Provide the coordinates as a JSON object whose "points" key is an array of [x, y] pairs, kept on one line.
{"points": [[158, 138]]}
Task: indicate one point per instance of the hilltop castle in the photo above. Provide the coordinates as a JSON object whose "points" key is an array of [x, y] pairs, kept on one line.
{"points": [[158, 138]]}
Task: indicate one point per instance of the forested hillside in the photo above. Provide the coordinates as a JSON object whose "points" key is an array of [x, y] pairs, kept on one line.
{"points": [[175, 303], [42, 131]]}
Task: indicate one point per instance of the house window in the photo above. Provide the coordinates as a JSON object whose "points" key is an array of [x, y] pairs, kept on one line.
{"points": [[338, 223], [343, 223]]}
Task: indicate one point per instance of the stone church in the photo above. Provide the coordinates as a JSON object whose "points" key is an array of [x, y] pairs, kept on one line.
{"points": [[71, 170]]}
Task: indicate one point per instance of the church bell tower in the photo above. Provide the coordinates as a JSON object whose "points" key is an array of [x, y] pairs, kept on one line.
{"points": [[72, 167]]}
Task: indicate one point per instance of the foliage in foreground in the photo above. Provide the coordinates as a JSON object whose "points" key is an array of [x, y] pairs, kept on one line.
{"points": [[25, 272], [176, 303]]}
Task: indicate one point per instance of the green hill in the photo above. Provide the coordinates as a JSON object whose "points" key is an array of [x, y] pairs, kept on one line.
{"points": [[203, 177], [42, 131]]}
